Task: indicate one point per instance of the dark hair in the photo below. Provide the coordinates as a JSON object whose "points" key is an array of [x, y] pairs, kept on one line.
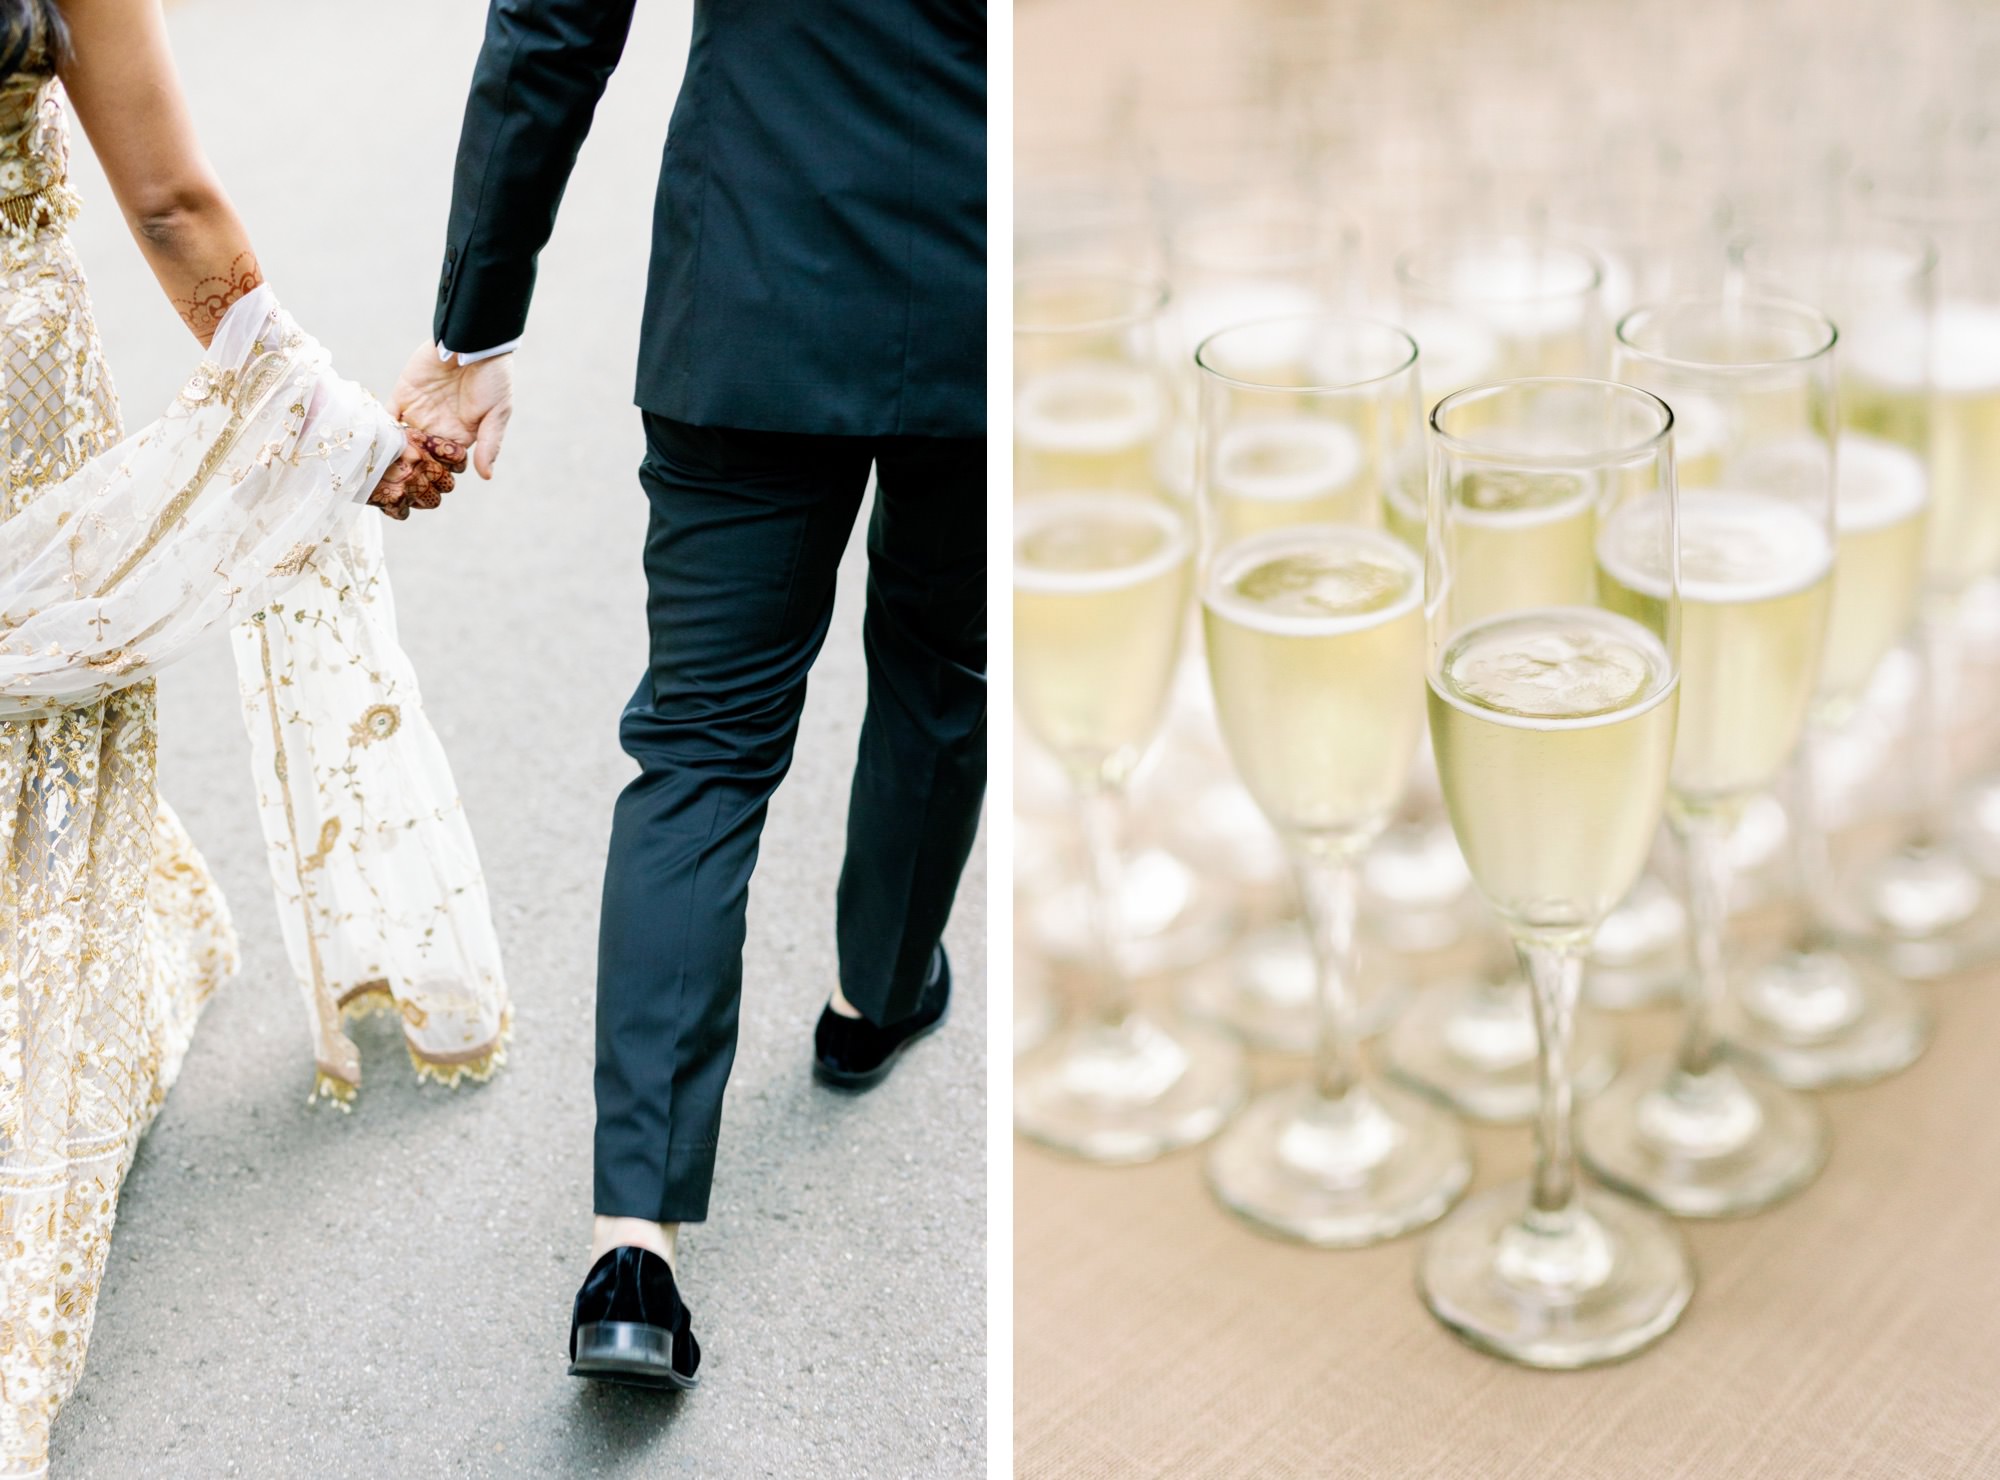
{"points": [[32, 34]]}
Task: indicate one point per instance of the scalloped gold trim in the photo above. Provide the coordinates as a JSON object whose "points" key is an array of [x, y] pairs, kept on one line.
{"points": [[366, 1000], [479, 1065]]}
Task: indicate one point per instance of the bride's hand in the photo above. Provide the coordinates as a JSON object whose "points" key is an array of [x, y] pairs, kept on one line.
{"points": [[471, 403], [421, 475]]}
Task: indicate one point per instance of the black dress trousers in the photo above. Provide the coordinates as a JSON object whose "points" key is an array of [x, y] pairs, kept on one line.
{"points": [[746, 533]]}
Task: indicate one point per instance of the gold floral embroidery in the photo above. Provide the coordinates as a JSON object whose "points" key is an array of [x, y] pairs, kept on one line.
{"points": [[297, 560], [377, 722], [329, 834], [112, 934]]}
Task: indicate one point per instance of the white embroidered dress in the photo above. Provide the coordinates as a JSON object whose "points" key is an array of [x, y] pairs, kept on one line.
{"points": [[238, 507]]}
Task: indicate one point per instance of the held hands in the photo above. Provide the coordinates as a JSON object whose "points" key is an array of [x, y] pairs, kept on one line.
{"points": [[468, 404], [421, 475]]}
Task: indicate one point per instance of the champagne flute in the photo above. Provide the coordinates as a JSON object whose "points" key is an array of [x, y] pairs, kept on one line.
{"points": [[1487, 308], [1930, 899], [1090, 404], [1751, 380], [1552, 714], [1312, 616], [1817, 1015], [1093, 412], [1101, 571], [1265, 257]]}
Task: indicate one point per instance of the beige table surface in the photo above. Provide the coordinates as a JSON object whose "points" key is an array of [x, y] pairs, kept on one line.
{"points": [[1854, 1331]]}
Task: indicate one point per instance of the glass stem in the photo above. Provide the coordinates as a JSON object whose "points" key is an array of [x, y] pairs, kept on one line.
{"points": [[1555, 979], [1328, 888], [1705, 844], [1102, 817], [1937, 651], [1810, 856]]}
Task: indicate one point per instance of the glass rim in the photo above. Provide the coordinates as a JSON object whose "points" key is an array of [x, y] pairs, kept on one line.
{"points": [[1151, 290], [1737, 302], [1407, 277], [1469, 447], [1322, 389]]}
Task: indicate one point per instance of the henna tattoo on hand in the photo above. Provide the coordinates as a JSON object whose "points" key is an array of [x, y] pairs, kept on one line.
{"points": [[202, 310], [421, 475]]}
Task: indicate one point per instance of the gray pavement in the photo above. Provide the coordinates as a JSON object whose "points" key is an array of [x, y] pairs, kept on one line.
{"points": [[294, 1292]]}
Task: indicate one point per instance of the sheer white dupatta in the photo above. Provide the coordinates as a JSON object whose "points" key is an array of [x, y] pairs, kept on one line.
{"points": [[242, 504]]}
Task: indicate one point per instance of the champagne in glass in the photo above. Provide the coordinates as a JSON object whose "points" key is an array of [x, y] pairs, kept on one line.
{"points": [[1315, 640], [1553, 723], [1816, 1014], [1756, 588], [1314, 636], [1101, 586], [1538, 711], [1486, 308], [1090, 398], [1694, 1132], [1930, 380]]}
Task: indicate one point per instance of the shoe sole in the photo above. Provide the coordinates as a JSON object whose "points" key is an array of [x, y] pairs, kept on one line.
{"points": [[621, 1352], [842, 1079]]}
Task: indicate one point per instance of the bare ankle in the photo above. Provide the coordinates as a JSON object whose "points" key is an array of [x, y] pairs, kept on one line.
{"points": [[640, 1233]]}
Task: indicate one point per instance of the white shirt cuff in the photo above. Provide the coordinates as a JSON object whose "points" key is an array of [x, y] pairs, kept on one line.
{"points": [[473, 357]]}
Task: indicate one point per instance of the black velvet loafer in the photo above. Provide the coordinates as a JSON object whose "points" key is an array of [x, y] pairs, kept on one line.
{"points": [[630, 1324], [852, 1053]]}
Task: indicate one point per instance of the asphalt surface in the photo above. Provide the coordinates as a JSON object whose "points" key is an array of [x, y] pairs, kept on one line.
{"points": [[296, 1292]]}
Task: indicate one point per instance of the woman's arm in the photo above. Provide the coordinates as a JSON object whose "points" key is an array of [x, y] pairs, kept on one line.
{"points": [[127, 94], [121, 78]]}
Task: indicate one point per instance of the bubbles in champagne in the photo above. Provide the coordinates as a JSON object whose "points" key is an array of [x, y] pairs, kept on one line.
{"points": [[1292, 461], [1587, 665], [1093, 539], [1520, 496], [1964, 351], [1734, 547], [1087, 408], [1879, 484], [1313, 578]]}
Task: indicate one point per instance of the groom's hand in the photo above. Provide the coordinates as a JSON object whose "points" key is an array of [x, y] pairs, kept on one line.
{"points": [[470, 403]]}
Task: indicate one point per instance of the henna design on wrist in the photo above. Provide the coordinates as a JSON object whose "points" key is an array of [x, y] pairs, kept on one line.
{"points": [[203, 309]]}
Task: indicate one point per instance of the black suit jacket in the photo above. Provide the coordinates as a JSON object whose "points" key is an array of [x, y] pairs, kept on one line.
{"points": [[819, 237]]}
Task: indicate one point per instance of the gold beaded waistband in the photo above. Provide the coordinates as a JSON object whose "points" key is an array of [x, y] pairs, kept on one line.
{"points": [[52, 205]]}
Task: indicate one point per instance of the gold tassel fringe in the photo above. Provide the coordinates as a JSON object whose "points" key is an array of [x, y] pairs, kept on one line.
{"points": [[374, 997]]}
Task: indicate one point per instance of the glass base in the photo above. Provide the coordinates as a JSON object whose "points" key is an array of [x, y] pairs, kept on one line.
{"points": [[1129, 1091], [1418, 887], [1927, 910], [1639, 954], [1263, 991], [1711, 1145], [1604, 1282], [1170, 916], [1471, 1045], [1340, 1173], [1814, 1019]]}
